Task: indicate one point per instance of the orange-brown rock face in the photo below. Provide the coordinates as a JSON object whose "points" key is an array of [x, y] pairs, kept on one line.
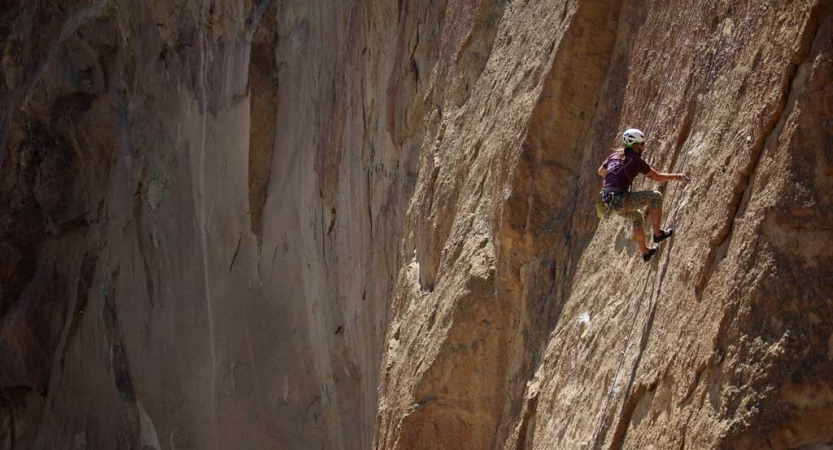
{"points": [[304, 224], [522, 322]]}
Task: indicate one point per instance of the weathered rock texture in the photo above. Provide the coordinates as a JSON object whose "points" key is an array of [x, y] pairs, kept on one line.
{"points": [[520, 322], [201, 209], [304, 224]]}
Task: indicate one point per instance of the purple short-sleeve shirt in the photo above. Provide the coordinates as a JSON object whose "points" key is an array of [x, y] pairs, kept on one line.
{"points": [[622, 169]]}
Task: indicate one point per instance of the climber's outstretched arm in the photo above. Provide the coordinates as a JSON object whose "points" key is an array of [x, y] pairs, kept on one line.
{"points": [[663, 177], [602, 172]]}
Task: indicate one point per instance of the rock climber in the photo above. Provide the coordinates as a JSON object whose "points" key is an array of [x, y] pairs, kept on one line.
{"points": [[619, 170]]}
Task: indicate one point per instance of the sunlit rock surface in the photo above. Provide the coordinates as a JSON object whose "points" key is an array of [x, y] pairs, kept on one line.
{"points": [[308, 224]]}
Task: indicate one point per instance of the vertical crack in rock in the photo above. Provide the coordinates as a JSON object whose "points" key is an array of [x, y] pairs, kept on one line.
{"points": [[405, 109], [683, 135], [504, 108], [793, 81], [82, 294], [369, 194], [788, 418], [236, 252], [8, 433], [141, 236], [330, 148], [540, 212], [472, 58], [632, 399], [257, 15], [202, 81], [128, 431], [264, 88], [415, 48], [22, 229], [333, 216], [526, 430], [633, 396]]}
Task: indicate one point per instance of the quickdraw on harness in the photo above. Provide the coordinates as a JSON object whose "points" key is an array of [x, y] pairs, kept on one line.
{"points": [[611, 200], [598, 436]]}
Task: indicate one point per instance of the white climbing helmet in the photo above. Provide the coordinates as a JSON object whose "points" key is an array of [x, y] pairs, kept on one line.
{"points": [[632, 136]]}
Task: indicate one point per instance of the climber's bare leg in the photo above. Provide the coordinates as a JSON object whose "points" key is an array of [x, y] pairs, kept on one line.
{"points": [[656, 218], [639, 237]]}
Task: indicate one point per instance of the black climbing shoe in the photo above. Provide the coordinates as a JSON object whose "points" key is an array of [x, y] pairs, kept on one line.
{"points": [[651, 252], [665, 234]]}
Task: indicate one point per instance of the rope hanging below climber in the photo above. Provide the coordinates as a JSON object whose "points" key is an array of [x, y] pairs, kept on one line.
{"points": [[619, 171]]}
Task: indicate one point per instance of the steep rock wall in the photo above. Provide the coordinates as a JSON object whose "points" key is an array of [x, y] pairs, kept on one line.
{"points": [[521, 322], [365, 224], [202, 205]]}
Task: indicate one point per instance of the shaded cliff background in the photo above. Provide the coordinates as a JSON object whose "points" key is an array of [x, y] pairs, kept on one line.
{"points": [[363, 224]]}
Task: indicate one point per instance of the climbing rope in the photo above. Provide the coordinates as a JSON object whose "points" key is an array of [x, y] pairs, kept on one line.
{"points": [[620, 362], [709, 81], [743, 31]]}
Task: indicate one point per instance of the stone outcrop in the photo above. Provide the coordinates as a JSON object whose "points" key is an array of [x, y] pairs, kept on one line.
{"points": [[363, 224], [521, 322], [201, 209]]}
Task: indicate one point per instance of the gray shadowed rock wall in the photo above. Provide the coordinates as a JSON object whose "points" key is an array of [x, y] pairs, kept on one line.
{"points": [[301, 224], [202, 206]]}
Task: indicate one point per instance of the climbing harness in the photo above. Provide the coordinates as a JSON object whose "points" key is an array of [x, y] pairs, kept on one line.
{"points": [[612, 199], [620, 363]]}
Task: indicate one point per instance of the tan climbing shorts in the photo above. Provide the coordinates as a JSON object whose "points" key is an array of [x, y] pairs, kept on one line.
{"points": [[636, 202]]}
